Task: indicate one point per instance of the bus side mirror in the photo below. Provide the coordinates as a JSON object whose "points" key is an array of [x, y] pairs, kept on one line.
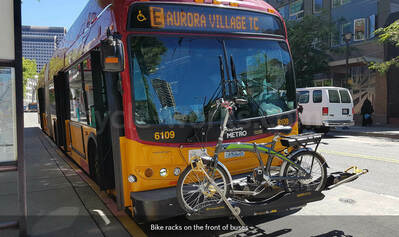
{"points": [[112, 54]]}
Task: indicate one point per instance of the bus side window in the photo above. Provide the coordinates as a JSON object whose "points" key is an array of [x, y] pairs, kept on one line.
{"points": [[88, 78], [317, 96], [76, 96]]}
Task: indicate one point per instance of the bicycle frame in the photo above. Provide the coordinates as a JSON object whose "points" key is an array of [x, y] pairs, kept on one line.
{"points": [[255, 148], [262, 148]]}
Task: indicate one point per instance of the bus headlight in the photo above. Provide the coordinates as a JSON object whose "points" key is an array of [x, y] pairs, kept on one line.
{"points": [[132, 179], [176, 172], [163, 172]]}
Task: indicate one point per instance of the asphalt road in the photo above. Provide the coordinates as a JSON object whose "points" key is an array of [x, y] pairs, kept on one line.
{"points": [[368, 206]]}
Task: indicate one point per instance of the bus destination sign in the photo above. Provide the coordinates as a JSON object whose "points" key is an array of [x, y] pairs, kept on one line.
{"points": [[202, 19]]}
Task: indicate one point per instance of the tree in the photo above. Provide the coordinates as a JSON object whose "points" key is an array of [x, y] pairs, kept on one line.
{"points": [[29, 69], [309, 40], [389, 34]]}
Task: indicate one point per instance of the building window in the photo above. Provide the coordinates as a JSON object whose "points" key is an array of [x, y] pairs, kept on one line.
{"points": [[371, 26], [323, 82], [317, 6], [296, 10], [337, 3], [316, 43], [360, 29], [284, 11]]}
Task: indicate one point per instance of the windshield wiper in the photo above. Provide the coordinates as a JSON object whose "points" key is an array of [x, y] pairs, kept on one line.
{"points": [[236, 82], [222, 80], [227, 68]]}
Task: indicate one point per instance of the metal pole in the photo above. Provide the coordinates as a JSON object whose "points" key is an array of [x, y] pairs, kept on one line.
{"points": [[20, 119]]}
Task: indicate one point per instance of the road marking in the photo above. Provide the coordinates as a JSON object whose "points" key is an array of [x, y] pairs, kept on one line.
{"points": [[392, 160], [389, 196], [103, 216], [370, 140]]}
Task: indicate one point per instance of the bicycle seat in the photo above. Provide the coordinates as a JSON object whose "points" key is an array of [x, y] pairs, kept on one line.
{"points": [[280, 129]]}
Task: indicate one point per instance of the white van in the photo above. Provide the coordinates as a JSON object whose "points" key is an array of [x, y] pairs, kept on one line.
{"points": [[325, 107]]}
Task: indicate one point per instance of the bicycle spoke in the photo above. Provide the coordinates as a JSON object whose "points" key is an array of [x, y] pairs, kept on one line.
{"points": [[196, 192]]}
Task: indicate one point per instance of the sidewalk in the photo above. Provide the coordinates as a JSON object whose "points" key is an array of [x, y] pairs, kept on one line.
{"points": [[373, 131], [60, 202]]}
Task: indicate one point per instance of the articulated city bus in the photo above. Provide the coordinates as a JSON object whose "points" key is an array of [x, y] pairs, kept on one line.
{"points": [[128, 93]]}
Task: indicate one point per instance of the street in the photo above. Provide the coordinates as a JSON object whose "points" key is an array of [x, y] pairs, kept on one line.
{"points": [[369, 206]]}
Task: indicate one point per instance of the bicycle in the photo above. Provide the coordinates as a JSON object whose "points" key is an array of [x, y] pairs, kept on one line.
{"points": [[206, 181]]}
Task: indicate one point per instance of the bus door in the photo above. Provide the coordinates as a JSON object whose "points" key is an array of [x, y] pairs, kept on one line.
{"points": [[78, 115], [104, 159], [42, 107], [62, 107]]}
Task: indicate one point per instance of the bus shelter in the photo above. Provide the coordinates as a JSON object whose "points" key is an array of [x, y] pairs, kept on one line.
{"points": [[11, 105]]}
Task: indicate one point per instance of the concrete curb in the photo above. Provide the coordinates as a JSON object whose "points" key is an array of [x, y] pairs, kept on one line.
{"points": [[366, 134]]}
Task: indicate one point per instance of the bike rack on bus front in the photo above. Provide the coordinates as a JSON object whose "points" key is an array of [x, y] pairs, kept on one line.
{"points": [[338, 178]]}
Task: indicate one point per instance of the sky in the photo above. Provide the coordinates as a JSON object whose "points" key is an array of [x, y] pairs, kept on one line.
{"points": [[51, 12]]}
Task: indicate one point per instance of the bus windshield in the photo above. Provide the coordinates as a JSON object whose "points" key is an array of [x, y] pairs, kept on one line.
{"points": [[175, 79]]}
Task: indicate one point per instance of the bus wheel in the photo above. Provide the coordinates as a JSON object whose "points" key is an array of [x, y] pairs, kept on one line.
{"points": [[93, 161]]}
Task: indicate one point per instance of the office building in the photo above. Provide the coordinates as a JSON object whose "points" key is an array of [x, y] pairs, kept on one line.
{"points": [[39, 43]]}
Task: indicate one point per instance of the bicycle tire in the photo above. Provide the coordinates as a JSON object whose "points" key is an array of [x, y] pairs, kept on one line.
{"points": [[204, 198], [315, 183]]}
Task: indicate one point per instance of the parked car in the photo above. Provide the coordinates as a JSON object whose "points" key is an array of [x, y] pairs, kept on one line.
{"points": [[324, 108], [32, 107]]}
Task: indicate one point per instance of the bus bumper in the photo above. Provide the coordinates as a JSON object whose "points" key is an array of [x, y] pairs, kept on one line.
{"points": [[338, 123], [154, 205]]}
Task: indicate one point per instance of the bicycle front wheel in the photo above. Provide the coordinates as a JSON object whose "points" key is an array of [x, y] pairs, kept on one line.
{"points": [[313, 163], [194, 191]]}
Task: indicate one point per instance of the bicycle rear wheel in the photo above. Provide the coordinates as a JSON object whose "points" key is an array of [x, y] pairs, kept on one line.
{"points": [[312, 162], [194, 191]]}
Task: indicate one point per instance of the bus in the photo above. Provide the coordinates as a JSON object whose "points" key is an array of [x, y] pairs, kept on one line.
{"points": [[128, 93]]}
